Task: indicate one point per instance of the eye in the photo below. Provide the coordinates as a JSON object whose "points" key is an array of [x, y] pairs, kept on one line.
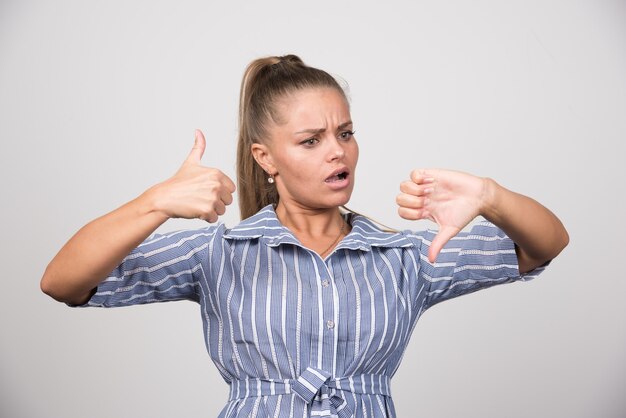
{"points": [[310, 142], [346, 134]]}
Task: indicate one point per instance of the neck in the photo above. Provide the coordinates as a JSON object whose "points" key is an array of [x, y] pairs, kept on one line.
{"points": [[319, 230], [309, 221]]}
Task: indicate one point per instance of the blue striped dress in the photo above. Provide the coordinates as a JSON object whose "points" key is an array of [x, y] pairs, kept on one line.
{"points": [[296, 335]]}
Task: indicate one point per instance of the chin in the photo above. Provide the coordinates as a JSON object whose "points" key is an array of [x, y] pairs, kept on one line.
{"points": [[321, 199], [340, 200]]}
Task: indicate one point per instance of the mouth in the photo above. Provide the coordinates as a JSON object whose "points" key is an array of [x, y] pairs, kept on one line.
{"points": [[337, 176]]}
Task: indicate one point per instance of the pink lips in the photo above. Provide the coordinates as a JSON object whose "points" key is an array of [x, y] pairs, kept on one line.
{"points": [[339, 174]]}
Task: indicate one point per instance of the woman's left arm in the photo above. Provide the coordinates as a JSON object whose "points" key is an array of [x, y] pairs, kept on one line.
{"points": [[538, 234], [453, 199]]}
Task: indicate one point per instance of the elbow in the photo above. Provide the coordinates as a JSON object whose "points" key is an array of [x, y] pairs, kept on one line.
{"points": [[563, 240], [50, 286], [58, 289], [528, 260], [559, 243]]}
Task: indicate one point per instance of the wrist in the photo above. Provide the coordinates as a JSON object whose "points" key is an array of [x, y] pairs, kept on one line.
{"points": [[491, 195], [151, 202]]}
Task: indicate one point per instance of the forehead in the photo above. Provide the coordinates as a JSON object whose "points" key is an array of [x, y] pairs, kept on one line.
{"points": [[314, 106]]}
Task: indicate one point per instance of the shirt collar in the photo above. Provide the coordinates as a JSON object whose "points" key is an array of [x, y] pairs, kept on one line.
{"points": [[364, 235]]}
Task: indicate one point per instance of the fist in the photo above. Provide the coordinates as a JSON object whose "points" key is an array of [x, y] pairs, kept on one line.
{"points": [[413, 201]]}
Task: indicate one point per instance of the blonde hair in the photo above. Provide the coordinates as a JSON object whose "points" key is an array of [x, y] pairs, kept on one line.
{"points": [[265, 82]]}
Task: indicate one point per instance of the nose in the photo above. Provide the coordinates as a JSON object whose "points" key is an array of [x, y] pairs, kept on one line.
{"points": [[339, 154], [336, 152]]}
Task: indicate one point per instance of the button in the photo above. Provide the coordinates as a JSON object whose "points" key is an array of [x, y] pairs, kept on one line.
{"points": [[325, 282], [330, 324]]}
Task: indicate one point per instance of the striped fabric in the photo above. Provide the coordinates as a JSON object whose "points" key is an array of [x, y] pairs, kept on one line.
{"points": [[295, 335]]}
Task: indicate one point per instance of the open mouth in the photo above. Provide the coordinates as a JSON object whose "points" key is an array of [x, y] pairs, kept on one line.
{"points": [[337, 177]]}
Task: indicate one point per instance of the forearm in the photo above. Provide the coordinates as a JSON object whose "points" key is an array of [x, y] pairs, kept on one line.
{"points": [[538, 234], [97, 248]]}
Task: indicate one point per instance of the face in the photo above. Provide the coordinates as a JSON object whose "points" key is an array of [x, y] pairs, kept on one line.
{"points": [[312, 153]]}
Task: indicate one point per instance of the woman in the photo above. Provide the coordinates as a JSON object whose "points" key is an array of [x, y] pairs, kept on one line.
{"points": [[307, 309]]}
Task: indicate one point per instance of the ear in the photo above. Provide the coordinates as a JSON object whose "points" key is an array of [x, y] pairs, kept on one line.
{"points": [[261, 154]]}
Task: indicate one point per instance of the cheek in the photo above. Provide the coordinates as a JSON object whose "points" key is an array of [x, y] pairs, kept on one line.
{"points": [[305, 170], [297, 166], [354, 152]]}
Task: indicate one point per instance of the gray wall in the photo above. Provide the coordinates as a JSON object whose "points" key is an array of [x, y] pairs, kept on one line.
{"points": [[99, 100]]}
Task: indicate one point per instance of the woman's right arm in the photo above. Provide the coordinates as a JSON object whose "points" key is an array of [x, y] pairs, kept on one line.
{"points": [[98, 247]]}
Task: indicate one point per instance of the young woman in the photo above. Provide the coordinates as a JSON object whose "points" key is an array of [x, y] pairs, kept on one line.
{"points": [[307, 308]]}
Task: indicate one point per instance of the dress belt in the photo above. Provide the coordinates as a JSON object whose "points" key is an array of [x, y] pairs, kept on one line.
{"points": [[315, 385]]}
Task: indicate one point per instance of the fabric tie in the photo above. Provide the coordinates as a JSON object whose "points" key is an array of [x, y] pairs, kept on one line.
{"points": [[315, 385]]}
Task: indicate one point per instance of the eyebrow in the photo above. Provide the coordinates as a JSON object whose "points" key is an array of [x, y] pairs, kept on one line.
{"points": [[320, 130]]}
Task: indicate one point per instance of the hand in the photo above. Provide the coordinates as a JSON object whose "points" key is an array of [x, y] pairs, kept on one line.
{"points": [[195, 191], [450, 198]]}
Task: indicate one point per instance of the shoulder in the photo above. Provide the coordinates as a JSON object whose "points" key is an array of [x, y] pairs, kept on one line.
{"points": [[369, 233], [252, 227], [180, 240], [480, 231], [260, 224]]}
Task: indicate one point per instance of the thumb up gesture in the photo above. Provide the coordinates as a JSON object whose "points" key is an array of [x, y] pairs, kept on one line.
{"points": [[195, 191], [450, 198]]}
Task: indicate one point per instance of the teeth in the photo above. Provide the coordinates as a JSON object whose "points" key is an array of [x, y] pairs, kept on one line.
{"points": [[337, 177]]}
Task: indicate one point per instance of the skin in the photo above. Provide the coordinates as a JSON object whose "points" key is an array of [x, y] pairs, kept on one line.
{"points": [[312, 140]]}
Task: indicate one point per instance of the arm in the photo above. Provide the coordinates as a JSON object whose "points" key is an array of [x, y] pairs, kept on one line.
{"points": [[97, 248], [538, 234], [453, 199]]}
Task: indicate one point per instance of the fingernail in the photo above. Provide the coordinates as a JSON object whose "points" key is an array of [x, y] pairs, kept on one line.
{"points": [[428, 190], [429, 180]]}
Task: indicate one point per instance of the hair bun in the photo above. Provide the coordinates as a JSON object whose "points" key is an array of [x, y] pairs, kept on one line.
{"points": [[291, 59], [286, 60]]}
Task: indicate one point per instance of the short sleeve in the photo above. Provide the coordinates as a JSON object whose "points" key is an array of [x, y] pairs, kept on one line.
{"points": [[165, 267], [483, 257]]}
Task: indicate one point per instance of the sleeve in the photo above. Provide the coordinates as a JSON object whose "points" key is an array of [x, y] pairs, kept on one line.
{"points": [[165, 267], [483, 257]]}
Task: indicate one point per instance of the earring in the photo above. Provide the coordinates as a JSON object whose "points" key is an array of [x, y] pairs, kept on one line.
{"points": [[270, 179]]}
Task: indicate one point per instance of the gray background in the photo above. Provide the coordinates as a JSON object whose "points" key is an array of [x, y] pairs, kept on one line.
{"points": [[99, 100]]}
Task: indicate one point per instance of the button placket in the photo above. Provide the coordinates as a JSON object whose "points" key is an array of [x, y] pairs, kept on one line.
{"points": [[330, 324], [328, 315]]}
